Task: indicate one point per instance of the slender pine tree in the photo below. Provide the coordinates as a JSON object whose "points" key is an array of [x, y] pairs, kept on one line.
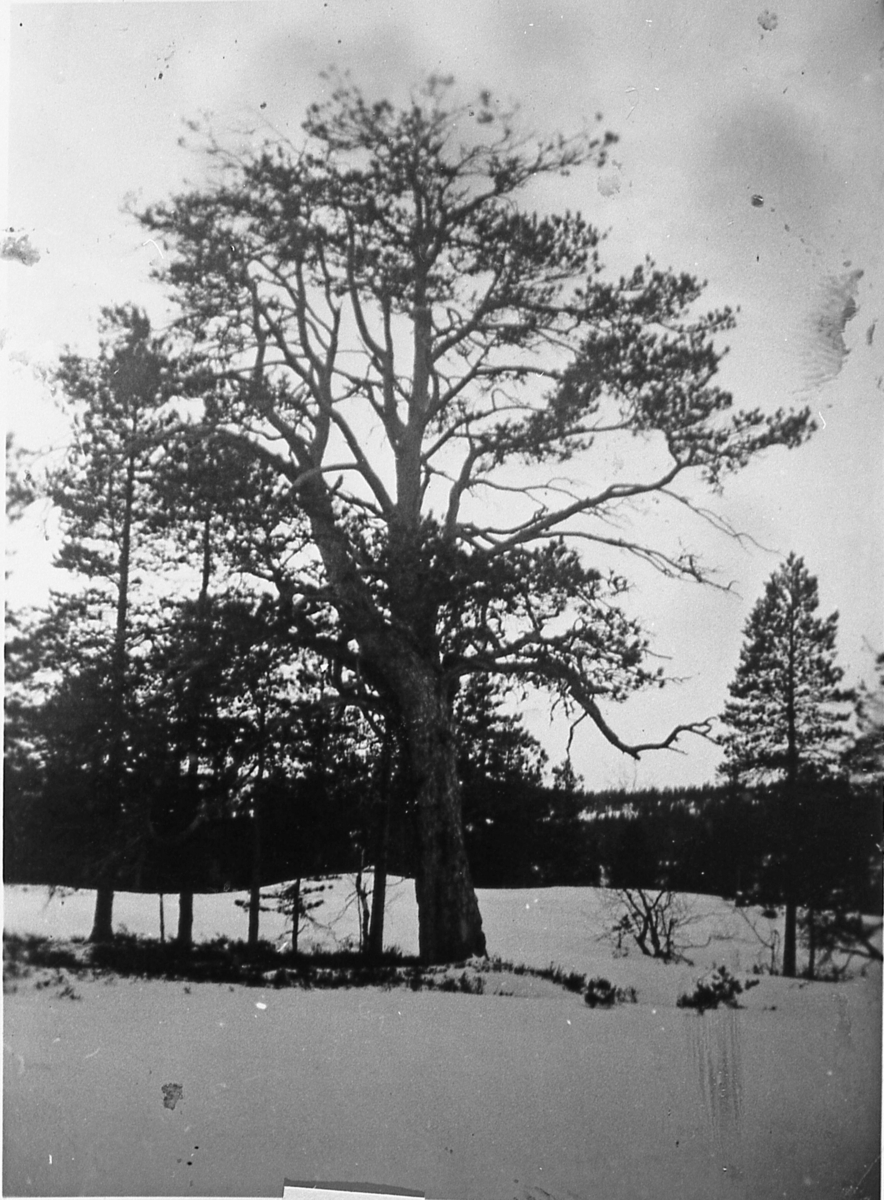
{"points": [[786, 718], [104, 491]]}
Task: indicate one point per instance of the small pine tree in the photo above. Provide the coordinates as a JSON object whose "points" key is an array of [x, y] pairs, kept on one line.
{"points": [[786, 717]]}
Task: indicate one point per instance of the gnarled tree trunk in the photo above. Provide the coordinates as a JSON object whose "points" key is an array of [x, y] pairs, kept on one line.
{"points": [[450, 924]]}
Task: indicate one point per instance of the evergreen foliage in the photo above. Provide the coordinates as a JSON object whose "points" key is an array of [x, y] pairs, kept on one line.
{"points": [[787, 714], [785, 724]]}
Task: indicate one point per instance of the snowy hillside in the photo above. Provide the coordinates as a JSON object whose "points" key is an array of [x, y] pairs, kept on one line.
{"points": [[459, 1096]]}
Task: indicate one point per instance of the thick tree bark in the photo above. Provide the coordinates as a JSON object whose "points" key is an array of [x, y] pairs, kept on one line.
{"points": [[185, 920], [102, 925], [450, 924]]}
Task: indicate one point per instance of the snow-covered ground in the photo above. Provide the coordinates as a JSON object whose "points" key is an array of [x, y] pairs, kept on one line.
{"points": [[460, 1096]]}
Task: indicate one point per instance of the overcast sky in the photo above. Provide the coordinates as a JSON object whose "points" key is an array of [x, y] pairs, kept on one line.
{"points": [[750, 153]]}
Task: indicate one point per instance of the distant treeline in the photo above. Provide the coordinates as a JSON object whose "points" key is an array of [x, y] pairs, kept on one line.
{"points": [[305, 830], [714, 840]]}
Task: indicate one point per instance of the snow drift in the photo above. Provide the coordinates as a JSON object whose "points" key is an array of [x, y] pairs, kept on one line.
{"points": [[487, 1097]]}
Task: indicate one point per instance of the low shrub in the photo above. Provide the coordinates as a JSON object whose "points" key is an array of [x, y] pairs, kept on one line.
{"points": [[218, 961], [571, 981], [21, 953], [226, 961], [717, 987], [470, 985], [601, 993]]}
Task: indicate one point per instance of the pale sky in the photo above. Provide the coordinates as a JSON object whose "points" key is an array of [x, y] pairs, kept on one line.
{"points": [[750, 153]]}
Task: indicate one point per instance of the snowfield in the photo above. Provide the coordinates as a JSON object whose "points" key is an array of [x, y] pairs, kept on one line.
{"points": [[529, 1096]]}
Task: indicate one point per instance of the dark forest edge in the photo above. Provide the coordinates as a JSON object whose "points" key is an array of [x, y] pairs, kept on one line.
{"points": [[713, 840], [717, 841]]}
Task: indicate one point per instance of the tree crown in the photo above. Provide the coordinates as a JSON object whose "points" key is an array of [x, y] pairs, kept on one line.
{"points": [[417, 355], [787, 713]]}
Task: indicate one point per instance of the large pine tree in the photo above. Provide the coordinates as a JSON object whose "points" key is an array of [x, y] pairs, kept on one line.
{"points": [[785, 720], [408, 346]]}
